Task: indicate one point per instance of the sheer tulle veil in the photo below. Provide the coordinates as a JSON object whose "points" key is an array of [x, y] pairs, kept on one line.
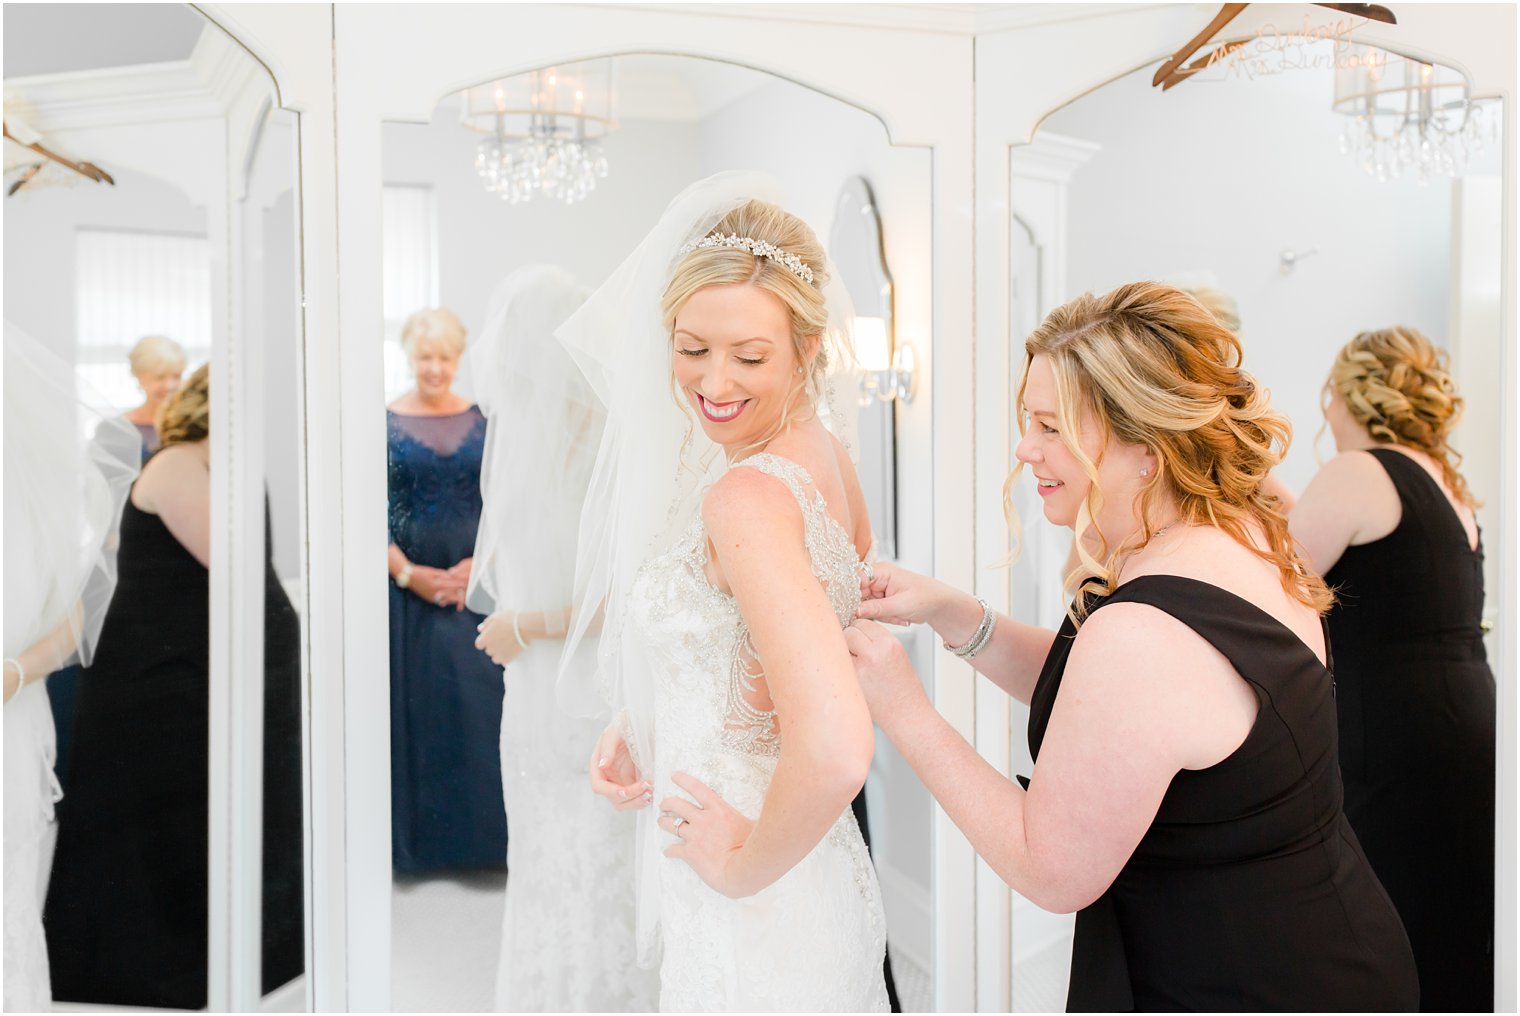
{"points": [[652, 466], [70, 461], [545, 425]]}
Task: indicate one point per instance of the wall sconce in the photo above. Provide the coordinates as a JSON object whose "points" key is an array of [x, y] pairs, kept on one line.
{"points": [[885, 374]]}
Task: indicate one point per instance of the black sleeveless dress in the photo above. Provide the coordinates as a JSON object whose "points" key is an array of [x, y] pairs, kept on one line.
{"points": [[1249, 891], [126, 914], [1417, 715]]}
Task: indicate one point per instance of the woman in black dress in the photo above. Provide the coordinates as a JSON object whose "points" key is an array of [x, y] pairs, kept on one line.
{"points": [[1186, 800], [1389, 522], [126, 915]]}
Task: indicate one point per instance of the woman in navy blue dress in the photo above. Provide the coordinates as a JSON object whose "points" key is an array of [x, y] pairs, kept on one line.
{"points": [[446, 696]]}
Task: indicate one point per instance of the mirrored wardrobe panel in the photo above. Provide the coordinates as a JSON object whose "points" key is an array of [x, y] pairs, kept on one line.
{"points": [[518, 198], [152, 250], [1293, 205]]}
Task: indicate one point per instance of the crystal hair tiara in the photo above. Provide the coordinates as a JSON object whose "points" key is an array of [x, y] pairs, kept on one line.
{"points": [[759, 248]]}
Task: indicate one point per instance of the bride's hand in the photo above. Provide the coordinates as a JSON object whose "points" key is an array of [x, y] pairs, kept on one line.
{"points": [[614, 776], [496, 640], [887, 680], [711, 834], [895, 595]]}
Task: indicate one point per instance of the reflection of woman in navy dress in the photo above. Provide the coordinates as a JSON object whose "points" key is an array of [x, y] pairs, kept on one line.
{"points": [[446, 696]]}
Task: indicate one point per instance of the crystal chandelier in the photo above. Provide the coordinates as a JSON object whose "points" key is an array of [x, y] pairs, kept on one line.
{"points": [[543, 131], [1407, 115]]}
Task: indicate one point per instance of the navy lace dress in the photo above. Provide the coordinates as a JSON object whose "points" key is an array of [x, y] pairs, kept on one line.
{"points": [[446, 695]]}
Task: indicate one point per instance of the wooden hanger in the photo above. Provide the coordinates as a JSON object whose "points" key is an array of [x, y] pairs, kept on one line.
{"points": [[1173, 72], [1226, 14], [88, 170]]}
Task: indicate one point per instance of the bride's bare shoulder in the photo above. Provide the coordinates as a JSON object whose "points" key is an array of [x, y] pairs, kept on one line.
{"points": [[746, 499]]}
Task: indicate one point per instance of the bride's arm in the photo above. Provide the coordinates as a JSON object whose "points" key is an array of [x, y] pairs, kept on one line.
{"points": [[757, 532]]}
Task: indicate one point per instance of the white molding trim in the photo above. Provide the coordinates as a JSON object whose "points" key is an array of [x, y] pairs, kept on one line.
{"points": [[217, 78], [967, 19], [111, 97], [1053, 157]]}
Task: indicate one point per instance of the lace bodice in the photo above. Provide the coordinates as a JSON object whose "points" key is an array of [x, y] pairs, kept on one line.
{"points": [[713, 638], [813, 940]]}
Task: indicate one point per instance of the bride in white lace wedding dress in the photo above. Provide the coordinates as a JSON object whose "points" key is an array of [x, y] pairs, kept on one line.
{"points": [[567, 931], [725, 647]]}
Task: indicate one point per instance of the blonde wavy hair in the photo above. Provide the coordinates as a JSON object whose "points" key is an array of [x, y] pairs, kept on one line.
{"points": [[804, 301], [1155, 367], [186, 415], [1398, 385]]}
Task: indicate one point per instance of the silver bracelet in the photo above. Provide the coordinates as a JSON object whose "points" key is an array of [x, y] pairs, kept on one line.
{"points": [[20, 672], [517, 631], [982, 636]]}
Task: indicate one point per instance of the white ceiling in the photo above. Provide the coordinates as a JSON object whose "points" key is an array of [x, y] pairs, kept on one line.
{"points": [[55, 38]]}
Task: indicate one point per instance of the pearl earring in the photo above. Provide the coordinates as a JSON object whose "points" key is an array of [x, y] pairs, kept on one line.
{"points": [[1145, 470], [800, 370]]}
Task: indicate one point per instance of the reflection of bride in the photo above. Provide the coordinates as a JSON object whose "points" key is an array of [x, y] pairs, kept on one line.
{"points": [[63, 501], [725, 608], [567, 939]]}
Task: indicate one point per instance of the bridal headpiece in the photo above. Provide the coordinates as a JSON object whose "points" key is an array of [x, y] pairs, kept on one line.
{"points": [[759, 248]]}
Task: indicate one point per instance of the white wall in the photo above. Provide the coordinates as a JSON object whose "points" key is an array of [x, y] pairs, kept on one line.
{"points": [[1219, 177], [40, 227], [482, 239]]}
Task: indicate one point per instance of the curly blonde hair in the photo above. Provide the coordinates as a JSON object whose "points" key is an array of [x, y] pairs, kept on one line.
{"points": [[1398, 385], [186, 415], [1155, 367], [804, 301]]}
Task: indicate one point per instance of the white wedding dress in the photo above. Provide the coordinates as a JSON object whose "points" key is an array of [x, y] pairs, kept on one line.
{"points": [[814, 939], [568, 936], [31, 790]]}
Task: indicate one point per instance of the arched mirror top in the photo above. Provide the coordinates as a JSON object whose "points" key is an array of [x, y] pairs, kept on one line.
{"points": [[858, 253], [156, 88]]}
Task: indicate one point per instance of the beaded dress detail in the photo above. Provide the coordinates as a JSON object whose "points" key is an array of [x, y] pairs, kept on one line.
{"points": [[814, 939]]}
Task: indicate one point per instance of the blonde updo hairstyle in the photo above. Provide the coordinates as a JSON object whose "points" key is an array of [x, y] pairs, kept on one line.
{"points": [[186, 415], [804, 301], [154, 354], [1398, 386], [1155, 367], [437, 324]]}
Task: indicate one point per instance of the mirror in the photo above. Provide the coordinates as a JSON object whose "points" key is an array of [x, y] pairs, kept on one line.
{"points": [[170, 283], [654, 124], [856, 247], [1240, 185]]}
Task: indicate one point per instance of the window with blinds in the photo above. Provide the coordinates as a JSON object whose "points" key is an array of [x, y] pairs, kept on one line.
{"points": [[409, 259], [132, 284]]}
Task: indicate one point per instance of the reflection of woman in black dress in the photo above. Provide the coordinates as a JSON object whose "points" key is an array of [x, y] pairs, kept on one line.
{"points": [[126, 915], [1390, 522], [1186, 797]]}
